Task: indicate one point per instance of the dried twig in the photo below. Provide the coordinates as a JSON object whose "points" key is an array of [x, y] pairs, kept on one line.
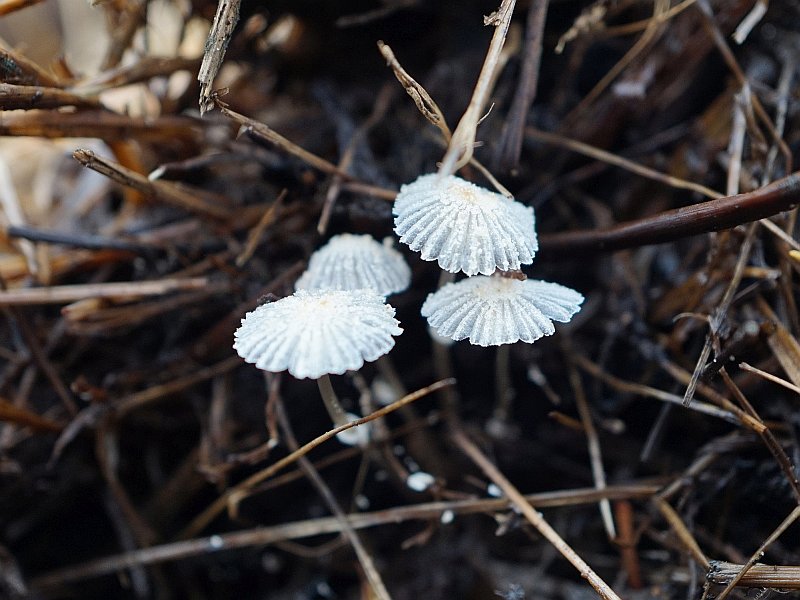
{"points": [[261, 536], [619, 161], [510, 144], [14, 97], [704, 217], [25, 418], [62, 294], [533, 517], [374, 578], [16, 68], [460, 148], [745, 568], [422, 99], [782, 577], [165, 191], [232, 496], [218, 38], [595, 453]]}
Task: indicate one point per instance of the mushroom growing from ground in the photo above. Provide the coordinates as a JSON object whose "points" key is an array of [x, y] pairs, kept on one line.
{"points": [[490, 311], [351, 262], [463, 226], [316, 333]]}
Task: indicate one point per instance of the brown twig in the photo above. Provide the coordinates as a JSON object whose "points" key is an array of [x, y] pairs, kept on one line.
{"points": [[233, 495], [61, 294], [139, 399], [219, 36], [165, 191], [144, 69], [509, 146], [129, 18], [26, 97], [257, 232], [734, 416], [422, 99], [16, 68], [374, 578], [105, 125], [77, 240], [534, 518], [745, 568], [733, 65], [626, 540], [593, 443], [772, 444], [461, 145], [660, 8], [261, 536], [680, 529], [25, 418], [619, 161], [783, 577], [704, 217]]}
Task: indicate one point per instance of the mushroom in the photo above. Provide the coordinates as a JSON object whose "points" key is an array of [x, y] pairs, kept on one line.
{"points": [[463, 226], [315, 333], [351, 262], [490, 311]]}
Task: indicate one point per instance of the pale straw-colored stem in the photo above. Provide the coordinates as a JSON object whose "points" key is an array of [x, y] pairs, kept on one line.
{"points": [[335, 410], [459, 151]]}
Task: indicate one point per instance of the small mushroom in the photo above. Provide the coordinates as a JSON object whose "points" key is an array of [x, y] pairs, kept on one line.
{"points": [[490, 311], [315, 333], [352, 262], [463, 226]]}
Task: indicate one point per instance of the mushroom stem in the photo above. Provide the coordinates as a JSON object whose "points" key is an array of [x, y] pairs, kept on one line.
{"points": [[504, 392], [335, 410]]}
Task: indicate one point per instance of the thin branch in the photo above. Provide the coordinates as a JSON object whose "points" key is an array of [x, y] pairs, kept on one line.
{"points": [[704, 217], [785, 524], [25, 97], [462, 143], [510, 144], [422, 99], [261, 536], [234, 494], [165, 191], [534, 518], [758, 576], [619, 161], [374, 578], [62, 294], [219, 36], [593, 442]]}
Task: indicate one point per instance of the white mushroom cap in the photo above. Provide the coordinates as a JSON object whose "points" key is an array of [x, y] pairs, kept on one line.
{"points": [[353, 262], [491, 311], [464, 226], [314, 333]]}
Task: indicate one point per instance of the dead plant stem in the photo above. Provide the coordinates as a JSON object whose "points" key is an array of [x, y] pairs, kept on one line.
{"points": [[534, 517], [462, 143]]}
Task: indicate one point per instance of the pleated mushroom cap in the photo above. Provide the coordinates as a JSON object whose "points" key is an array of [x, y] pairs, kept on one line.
{"points": [[463, 226], [314, 333], [490, 311], [353, 262]]}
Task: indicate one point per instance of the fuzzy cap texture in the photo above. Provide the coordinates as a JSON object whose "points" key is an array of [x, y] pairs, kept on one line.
{"points": [[491, 311], [314, 333], [463, 226], [352, 262]]}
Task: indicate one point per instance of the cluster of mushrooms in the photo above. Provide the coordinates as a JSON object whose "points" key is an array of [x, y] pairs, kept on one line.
{"points": [[338, 317]]}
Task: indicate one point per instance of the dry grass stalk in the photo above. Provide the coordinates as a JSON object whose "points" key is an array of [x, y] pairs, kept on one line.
{"points": [[533, 517]]}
